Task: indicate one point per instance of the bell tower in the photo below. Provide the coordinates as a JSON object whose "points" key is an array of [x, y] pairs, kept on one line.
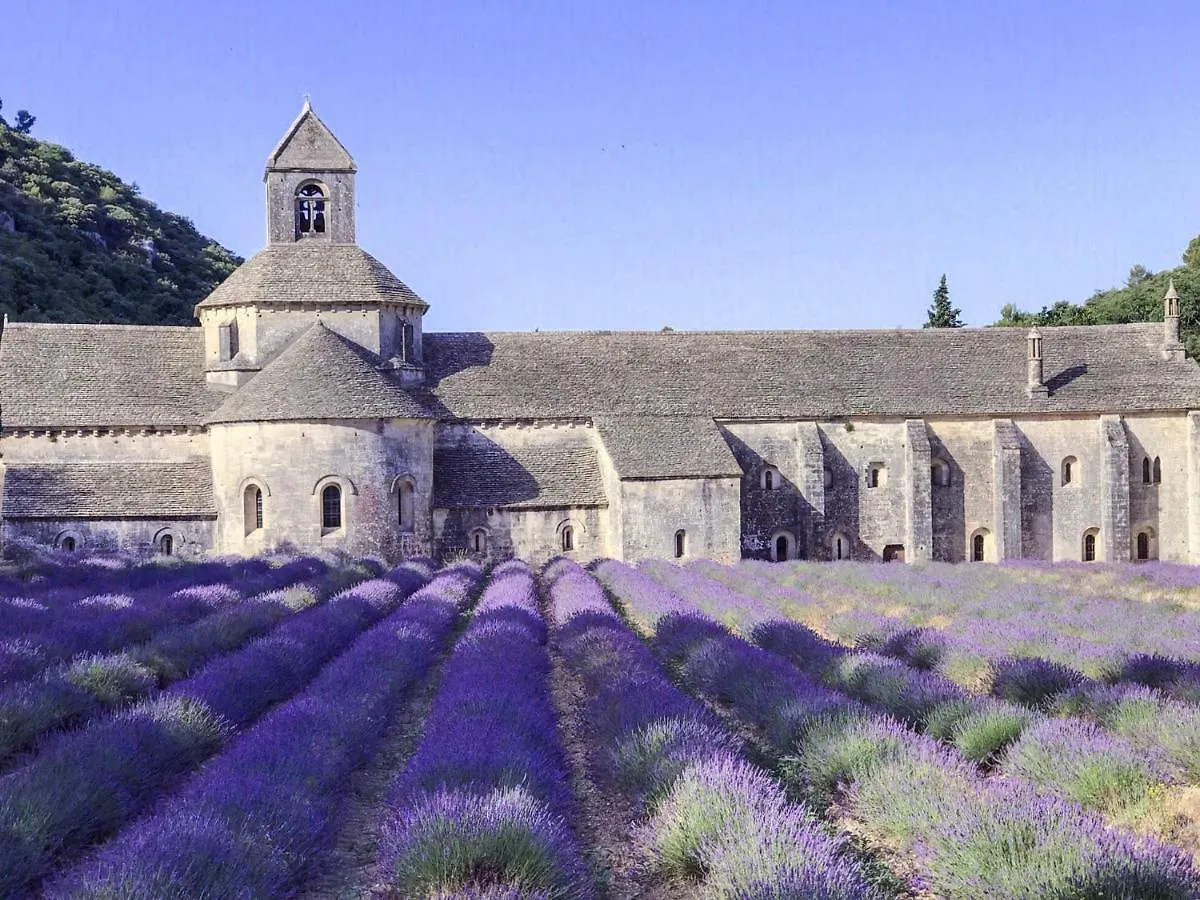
{"points": [[310, 185]]}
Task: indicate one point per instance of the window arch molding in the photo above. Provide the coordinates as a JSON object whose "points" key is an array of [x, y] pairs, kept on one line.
{"points": [[167, 541], [1069, 472], [789, 549], [260, 483], [312, 202], [69, 540], [574, 528], [1145, 543], [341, 481], [979, 548], [479, 540]]}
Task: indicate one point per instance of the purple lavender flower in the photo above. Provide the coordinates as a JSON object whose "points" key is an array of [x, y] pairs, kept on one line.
{"points": [[253, 822]]}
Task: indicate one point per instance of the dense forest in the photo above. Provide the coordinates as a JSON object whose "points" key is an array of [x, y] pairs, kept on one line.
{"points": [[1139, 300], [77, 244]]}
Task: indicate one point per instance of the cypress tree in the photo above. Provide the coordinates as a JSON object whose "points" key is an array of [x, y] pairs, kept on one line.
{"points": [[941, 313]]}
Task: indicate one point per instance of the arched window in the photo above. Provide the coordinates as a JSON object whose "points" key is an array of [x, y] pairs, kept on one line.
{"points": [[252, 508], [876, 475], [680, 543], [568, 538], [1089, 545], [166, 545], [828, 476], [1143, 545], [331, 507], [1146, 470], [479, 540], [980, 545], [1157, 470], [1070, 471], [841, 547], [939, 473], [768, 479], [310, 210], [405, 513], [781, 547], [67, 544]]}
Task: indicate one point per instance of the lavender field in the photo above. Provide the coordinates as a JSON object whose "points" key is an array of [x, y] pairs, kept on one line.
{"points": [[326, 727]]}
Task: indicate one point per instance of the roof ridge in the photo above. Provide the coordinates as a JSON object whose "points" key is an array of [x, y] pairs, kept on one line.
{"points": [[940, 332], [111, 326]]}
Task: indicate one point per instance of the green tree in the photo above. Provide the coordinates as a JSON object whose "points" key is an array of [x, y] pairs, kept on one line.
{"points": [[941, 313], [1191, 256], [24, 123], [1137, 274]]}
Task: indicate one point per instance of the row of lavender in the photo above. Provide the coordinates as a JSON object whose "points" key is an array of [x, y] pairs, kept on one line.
{"points": [[255, 821], [82, 785], [1117, 625], [1148, 737], [967, 834]]}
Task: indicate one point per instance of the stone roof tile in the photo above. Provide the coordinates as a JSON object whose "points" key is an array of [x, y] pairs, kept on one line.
{"points": [[666, 447], [320, 375], [311, 272], [102, 375], [803, 374], [476, 472], [149, 490]]}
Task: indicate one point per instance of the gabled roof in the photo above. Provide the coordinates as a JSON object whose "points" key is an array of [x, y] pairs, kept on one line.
{"points": [[643, 447], [150, 490], [804, 374], [311, 272], [308, 145], [102, 376], [320, 375], [475, 472]]}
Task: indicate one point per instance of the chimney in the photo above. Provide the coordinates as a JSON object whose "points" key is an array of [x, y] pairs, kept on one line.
{"points": [[1172, 347], [1035, 388]]}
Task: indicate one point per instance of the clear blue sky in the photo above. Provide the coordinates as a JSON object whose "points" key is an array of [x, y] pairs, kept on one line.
{"points": [[637, 164]]}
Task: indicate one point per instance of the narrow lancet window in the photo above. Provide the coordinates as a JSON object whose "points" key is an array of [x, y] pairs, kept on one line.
{"points": [[680, 543], [331, 507], [1157, 470], [1146, 470], [568, 539]]}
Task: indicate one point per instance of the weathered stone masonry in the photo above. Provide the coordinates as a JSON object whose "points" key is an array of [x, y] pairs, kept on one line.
{"points": [[312, 408]]}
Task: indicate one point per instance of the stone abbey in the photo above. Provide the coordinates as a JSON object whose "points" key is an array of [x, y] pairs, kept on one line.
{"points": [[312, 408]]}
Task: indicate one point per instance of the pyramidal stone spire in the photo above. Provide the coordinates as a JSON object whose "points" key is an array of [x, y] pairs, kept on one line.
{"points": [[1172, 346], [310, 185]]}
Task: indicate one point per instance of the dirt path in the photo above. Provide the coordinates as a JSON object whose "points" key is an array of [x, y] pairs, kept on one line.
{"points": [[604, 823], [349, 869]]}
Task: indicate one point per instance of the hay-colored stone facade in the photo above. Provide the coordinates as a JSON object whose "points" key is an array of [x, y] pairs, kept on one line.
{"points": [[311, 408]]}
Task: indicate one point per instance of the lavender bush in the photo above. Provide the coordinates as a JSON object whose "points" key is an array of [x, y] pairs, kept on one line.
{"points": [[253, 822], [906, 790], [706, 814], [84, 784], [476, 814], [29, 710]]}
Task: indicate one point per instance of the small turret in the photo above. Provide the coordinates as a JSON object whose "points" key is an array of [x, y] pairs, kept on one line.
{"points": [[1172, 347], [1035, 387]]}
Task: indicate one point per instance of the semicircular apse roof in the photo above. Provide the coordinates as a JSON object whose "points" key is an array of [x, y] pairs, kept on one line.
{"points": [[321, 375]]}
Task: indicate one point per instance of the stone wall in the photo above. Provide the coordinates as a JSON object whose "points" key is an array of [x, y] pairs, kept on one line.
{"points": [[189, 537], [292, 462], [534, 535], [871, 518], [281, 205], [707, 510]]}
